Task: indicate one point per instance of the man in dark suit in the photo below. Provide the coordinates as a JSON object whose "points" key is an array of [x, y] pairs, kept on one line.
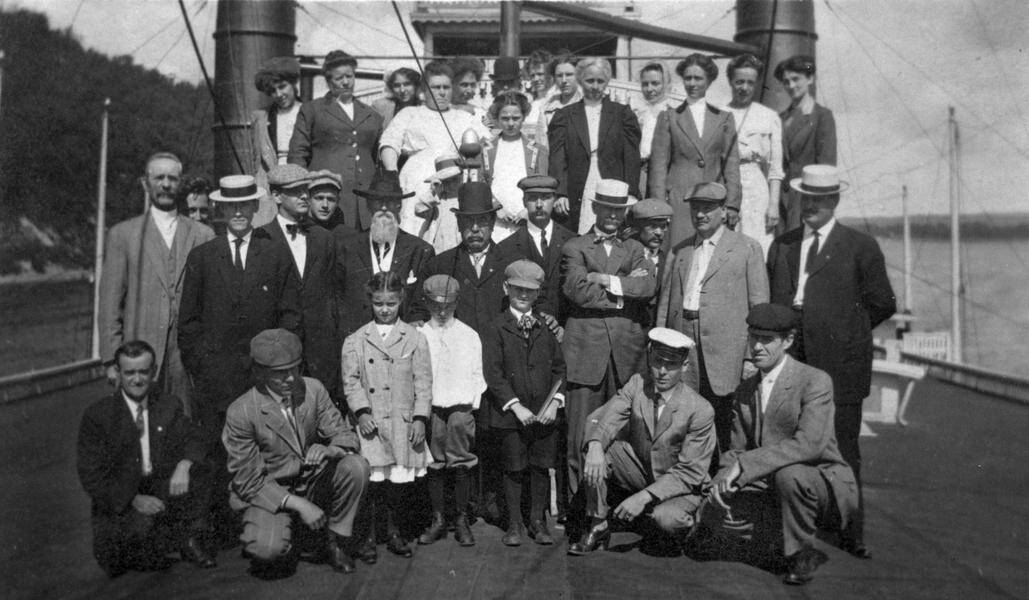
{"points": [[141, 461], [649, 221], [835, 277], [608, 282], [384, 247], [653, 440], [339, 133], [783, 463], [314, 260]]}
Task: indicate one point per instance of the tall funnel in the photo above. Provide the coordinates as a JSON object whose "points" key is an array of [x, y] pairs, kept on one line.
{"points": [[248, 32], [789, 24]]}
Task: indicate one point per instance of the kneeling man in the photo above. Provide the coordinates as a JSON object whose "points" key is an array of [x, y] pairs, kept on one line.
{"points": [[669, 437], [783, 447], [291, 455]]}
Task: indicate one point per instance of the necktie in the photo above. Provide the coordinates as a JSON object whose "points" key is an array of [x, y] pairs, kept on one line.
{"points": [[812, 252], [293, 229], [238, 260], [543, 242], [140, 423], [658, 403], [291, 417], [477, 263]]}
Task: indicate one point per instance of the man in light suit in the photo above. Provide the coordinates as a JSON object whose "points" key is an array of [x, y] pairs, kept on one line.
{"points": [[292, 457], [835, 277], [654, 440], [608, 282], [716, 276], [142, 279], [783, 453]]}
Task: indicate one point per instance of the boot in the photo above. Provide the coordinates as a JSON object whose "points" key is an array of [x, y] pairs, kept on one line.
{"points": [[338, 553], [436, 530], [462, 531]]}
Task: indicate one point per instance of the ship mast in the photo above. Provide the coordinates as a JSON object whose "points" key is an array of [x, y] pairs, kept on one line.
{"points": [[954, 159]]}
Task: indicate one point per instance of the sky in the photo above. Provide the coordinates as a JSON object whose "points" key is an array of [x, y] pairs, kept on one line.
{"points": [[888, 69]]}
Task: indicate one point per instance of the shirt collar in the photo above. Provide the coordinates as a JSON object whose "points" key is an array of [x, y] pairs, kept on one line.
{"points": [[699, 104], [163, 219], [481, 252], [133, 404], [517, 314], [283, 221], [773, 375], [246, 238], [714, 239], [535, 231], [823, 231]]}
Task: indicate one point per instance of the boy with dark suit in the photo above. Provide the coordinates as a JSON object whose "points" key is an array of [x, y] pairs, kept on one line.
{"points": [[522, 362]]}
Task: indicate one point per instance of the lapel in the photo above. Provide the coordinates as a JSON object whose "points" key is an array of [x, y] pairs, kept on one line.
{"points": [[274, 230], [251, 273], [275, 420], [578, 119], [826, 252], [712, 122], [721, 254], [154, 249], [780, 392], [607, 119], [333, 108], [646, 409], [158, 417], [361, 112], [185, 232], [396, 336], [684, 119], [793, 260], [223, 261], [490, 266], [363, 250]]}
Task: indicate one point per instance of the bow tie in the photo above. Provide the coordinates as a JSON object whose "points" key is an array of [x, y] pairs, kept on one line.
{"points": [[527, 322], [613, 238], [294, 228]]}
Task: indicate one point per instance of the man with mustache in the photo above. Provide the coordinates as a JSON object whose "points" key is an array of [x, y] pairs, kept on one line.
{"points": [[314, 261], [141, 285], [714, 278], [649, 221], [383, 247]]}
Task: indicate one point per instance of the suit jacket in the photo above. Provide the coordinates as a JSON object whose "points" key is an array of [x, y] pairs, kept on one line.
{"points": [[520, 368], [481, 297], [326, 138], [847, 295], [222, 311], [138, 298], [392, 379], [354, 255], [618, 147], [676, 451], [596, 329], [520, 246], [680, 159], [110, 462], [320, 286], [807, 140], [795, 428], [735, 281], [664, 254], [263, 451]]}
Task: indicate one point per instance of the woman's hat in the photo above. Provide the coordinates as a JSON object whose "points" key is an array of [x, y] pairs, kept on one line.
{"points": [[611, 192], [447, 165], [475, 198], [237, 188], [385, 184], [819, 180]]}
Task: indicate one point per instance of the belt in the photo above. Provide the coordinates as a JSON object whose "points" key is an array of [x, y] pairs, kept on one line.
{"points": [[690, 315]]}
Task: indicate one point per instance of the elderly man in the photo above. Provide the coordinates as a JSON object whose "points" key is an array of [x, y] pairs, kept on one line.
{"points": [[141, 461], [383, 247], [783, 454], [654, 440], [142, 280], [293, 458], [315, 267], [608, 282], [649, 221], [324, 188], [835, 277], [715, 276]]}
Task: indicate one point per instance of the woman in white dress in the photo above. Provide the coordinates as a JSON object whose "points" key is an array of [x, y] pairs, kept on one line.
{"points": [[423, 133], [759, 139]]}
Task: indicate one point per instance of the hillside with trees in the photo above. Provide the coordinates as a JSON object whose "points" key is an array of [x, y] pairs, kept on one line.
{"points": [[50, 110]]}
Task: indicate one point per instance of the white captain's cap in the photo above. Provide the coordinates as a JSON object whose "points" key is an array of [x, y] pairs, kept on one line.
{"points": [[670, 344]]}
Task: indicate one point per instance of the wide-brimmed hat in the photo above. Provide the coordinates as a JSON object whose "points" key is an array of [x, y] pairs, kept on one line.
{"points": [[447, 165], [475, 198], [276, 349], [238, 188], [819, 180], [385, 185], [611, 192], [506, 67]]}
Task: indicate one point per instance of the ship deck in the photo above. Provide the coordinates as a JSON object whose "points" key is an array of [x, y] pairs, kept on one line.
{"points": [[947, 517]]}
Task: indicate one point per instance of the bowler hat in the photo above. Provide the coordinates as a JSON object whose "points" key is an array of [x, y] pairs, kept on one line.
{"points": [[506, 67], [237, 188], [707, 191], [611, 192], [771, 319], [276, 349], [475, 198], [524, 273], [441, 288], [819, 180], [385, 184]]}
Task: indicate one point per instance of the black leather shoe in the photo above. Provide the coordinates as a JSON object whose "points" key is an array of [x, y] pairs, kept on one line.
{"points": [[856, 548], [539, 533], [436, 530], [462, 531], [194, 553], [398, 546], [802, 566], [338, 553], [367, 551], [595, 537], [513, 537]]}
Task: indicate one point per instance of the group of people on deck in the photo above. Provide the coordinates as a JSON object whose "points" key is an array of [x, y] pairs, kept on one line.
{"points": [[431, 302]]}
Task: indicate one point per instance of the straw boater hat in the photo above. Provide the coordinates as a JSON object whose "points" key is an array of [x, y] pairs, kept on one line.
{"points": [[819, 180], [237, 188], [447, 165], [385, 184], [611, 192]]}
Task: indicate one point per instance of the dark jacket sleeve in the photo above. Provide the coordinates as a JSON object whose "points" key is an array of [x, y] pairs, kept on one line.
{"points": [[825, 138], [190, 311], [631, 135], [556, 133], [289, 298], [876, 291], [500, 389], [96, 461], [300, 143]]}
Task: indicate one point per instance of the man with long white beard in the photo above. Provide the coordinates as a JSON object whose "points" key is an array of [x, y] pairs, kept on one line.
{"points": [[384, 247]]}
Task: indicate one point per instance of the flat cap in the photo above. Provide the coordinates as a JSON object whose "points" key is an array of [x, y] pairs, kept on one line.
{"points": [[324, 177], [288, 176], [441, 288], [669, 344], [709, 190], [649, 208], [771, 319], [538, 183], [276, 349], [525, 274]]}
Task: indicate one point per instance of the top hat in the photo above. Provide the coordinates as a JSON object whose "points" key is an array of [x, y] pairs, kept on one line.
{"points": [[819, 180], [506, 67], [237, 188], [385, 185], [611, 192], [475, 198]]}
